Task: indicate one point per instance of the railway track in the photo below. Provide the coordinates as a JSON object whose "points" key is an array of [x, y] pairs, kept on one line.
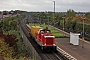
{"points": [[52, 56], [43, 55], [49, 56]]}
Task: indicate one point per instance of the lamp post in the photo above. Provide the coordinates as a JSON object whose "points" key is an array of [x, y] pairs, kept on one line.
{"points": [[83, 33], [54, 11], [48, 20], [43, 19], [63, 23], [38, 18], [12, 13]]}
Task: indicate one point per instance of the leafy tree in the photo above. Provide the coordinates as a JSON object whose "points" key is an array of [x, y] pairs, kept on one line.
{"points": [[74, 25], [88, 16], [58, 23], [69, 23], [0, 12], [71, 13]]}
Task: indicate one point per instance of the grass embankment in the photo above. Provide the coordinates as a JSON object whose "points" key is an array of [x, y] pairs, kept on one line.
{"points": [[55, 32]]}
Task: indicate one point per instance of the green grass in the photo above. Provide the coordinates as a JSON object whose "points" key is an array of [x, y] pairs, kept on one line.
{"points": [[55, 32]]}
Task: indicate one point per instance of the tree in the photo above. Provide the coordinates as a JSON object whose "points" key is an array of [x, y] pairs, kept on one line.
{"points": [[69, 23], [0, 12], [58, 23], [88, 16], [71, 13], [74, 25]]}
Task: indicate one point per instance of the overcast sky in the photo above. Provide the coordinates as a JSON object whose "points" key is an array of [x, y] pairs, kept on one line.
{"points": [[45, 5]]}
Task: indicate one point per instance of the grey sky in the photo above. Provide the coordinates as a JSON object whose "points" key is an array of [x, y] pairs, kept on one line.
{"points": [[45, 5]]}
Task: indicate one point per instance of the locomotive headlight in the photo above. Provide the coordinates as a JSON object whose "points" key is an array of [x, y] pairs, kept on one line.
{"points": [[53, 44], [45, 44]]}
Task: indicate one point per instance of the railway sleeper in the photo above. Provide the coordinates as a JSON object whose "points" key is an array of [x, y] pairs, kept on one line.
{"points": [[49, 48]]}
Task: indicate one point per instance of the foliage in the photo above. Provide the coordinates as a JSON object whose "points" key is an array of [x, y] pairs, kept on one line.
{"points": [[71, 13], [9, 23], [12, 37], [5, 50], [74, 25], [58, 23], [10, 40], [16, 33], [22, 49], [8, 52], [69, 23], [88, 15]]}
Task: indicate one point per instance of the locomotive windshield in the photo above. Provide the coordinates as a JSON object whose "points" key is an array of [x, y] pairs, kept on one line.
{"points": [[42, 32], [48, 32], [45, 31]]}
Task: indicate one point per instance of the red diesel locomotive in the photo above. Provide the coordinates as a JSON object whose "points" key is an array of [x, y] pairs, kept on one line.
{"points": [[43, 37]]}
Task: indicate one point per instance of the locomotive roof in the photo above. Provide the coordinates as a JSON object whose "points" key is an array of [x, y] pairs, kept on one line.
{"points": [[44, 29]]}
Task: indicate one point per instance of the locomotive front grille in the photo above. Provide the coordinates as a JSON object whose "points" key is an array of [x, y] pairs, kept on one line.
{"points": [[49, 41]]}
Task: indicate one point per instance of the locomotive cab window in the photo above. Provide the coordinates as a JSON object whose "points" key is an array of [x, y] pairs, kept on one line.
{"points": [[48, 32], [42, 32]]}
